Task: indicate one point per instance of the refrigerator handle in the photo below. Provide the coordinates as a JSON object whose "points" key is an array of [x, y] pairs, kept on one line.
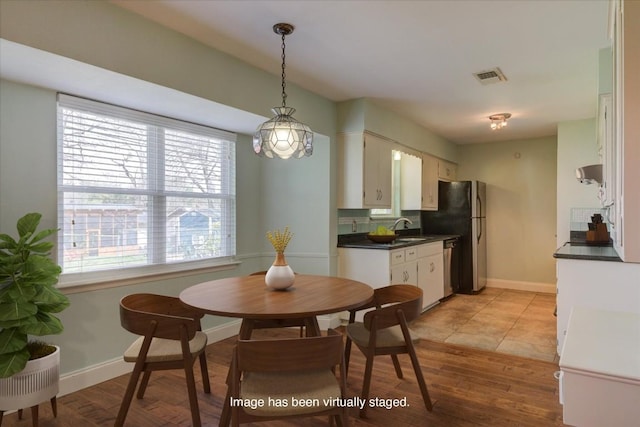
{"points": [[479, 206], [479, 229]]}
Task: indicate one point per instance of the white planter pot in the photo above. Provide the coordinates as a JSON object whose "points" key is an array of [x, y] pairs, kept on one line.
{"points": [[36, 383]]}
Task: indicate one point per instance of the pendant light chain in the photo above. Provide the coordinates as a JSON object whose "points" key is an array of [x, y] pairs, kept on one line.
{"points": [[284, 84]]}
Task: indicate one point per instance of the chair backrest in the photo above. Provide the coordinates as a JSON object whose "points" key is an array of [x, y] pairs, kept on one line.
{"points": [[290, 354], [158, 315], [394, 303]]}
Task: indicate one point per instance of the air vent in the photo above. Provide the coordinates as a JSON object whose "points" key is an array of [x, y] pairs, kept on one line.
{"points": [[493, 75]]}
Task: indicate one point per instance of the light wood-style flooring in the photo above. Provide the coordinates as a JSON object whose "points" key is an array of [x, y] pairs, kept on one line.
{"points": [[469, 387]]}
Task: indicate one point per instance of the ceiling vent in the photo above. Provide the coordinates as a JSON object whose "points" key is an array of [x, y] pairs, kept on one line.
{"points": [[493, 75]]}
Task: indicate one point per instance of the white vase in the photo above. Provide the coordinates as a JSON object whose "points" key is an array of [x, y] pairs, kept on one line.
{"points": [[36, 383], [280, 275]]}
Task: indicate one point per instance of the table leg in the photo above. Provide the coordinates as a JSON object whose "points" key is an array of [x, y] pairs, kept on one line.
{"points": [[246, 328], [312, 327]]}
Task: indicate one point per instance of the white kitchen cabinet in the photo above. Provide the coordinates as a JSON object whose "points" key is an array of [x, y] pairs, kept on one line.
{"points": [[404, 266], [420, 265], [600, 369], [603, 285], [429, 183], [447, 171], [364, 171], [431, 273], [625, 211], [410, 181]]}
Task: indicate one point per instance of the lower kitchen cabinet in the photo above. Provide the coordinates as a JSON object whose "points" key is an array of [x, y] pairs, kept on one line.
{"points": [[431, 273], [420, 265], [404, 266], [600, 369]]}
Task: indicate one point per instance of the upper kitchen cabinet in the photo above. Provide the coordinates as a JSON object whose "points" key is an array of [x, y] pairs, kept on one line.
{"points": [[447, 171], [364, 171], [626, 108], [429, 183]]}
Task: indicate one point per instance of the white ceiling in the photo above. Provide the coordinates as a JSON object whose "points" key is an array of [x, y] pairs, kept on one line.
{"points": [[417, 58]]}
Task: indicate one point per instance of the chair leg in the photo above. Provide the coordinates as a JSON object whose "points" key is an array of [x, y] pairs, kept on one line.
{"points": [[128, 395], [396, 365], [54, 406], [34, 416], [205, 372], [366, 383], [191, 390], [347, 356], [420, 378], [143, 384]]}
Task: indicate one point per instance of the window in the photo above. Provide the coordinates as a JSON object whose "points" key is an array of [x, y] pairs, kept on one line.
{"points": [[135, 189]]}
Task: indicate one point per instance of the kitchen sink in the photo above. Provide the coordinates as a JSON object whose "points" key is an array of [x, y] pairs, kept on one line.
{"points": [[412, 239]]}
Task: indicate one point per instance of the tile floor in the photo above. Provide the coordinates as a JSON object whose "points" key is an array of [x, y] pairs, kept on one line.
{"points": [[501, 320]]}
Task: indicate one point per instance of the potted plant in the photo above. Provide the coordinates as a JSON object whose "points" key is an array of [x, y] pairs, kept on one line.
{"points": [[28, 301]]}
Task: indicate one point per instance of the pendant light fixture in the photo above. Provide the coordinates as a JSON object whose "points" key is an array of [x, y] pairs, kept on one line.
{"points": [[283, 136]]}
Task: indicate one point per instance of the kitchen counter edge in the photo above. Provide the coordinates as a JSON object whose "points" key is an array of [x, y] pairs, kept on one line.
{"points": [[364, 243], [587, 252]]}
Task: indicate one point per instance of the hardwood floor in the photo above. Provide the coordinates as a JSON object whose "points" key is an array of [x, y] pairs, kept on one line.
{"points": [[468, 387]]}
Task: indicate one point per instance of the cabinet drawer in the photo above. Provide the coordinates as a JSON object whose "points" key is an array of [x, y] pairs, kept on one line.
{"points": [[397, 257], [411, 254], [429, 249]]}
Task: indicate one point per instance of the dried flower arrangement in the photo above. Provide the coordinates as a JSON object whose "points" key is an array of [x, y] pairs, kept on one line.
{"points": [[279, 239]]}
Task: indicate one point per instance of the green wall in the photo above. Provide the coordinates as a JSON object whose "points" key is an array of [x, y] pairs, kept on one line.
{"points": [[521, 206], [269, 193]]}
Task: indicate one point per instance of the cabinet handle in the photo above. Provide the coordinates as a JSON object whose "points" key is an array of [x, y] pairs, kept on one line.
{"points": [[432, 267]]}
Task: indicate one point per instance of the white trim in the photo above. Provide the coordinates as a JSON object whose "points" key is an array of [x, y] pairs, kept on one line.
{"points": [[329, 321], [549, 288], [87, 377]]}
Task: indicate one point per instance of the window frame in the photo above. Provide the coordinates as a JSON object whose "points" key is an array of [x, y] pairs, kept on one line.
{"points": [[151, 270]]}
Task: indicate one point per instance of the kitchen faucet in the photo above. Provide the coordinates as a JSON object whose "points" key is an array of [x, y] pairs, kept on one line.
{"points": [[398, 221]]}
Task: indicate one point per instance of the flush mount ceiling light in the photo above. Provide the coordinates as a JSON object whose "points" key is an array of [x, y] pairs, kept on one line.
{"points": [[498, 121], [283, 136]]}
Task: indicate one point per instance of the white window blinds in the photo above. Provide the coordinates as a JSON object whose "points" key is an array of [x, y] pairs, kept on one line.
{"points": [[138, 189]]}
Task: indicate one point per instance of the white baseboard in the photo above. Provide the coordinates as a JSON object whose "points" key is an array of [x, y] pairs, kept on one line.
{"points": [[78, 380], [549, 288]]}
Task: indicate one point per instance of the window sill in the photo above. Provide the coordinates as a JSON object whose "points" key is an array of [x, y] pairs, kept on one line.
{"points": [[86, 282]]}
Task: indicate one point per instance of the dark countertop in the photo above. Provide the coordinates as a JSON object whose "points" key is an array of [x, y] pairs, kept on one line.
{"points": [[360, 241], [572, 250]]}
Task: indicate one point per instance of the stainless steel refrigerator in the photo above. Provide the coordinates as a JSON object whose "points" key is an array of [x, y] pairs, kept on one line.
{"points": [[461, 211]]}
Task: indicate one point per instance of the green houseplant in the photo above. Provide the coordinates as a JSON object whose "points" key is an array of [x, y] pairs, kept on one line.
{"points": [[28, 297]]}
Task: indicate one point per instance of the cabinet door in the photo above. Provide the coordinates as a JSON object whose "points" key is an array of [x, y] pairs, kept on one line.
{"points": [[410, 182], [377, 172], [406, 273], [447, 171], [429, 183], [431, 279]]}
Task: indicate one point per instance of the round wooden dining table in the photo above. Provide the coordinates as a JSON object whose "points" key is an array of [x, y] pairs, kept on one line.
{"points": [[248, 298]]}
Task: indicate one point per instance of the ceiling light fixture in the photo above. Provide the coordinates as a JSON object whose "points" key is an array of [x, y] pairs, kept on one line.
{"points": [[283, 136], [498, 121]]}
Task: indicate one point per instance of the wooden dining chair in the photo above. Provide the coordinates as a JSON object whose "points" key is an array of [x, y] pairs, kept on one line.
{"points": [[276, 323], [385, 331], [277, 371], [171, 338]]}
